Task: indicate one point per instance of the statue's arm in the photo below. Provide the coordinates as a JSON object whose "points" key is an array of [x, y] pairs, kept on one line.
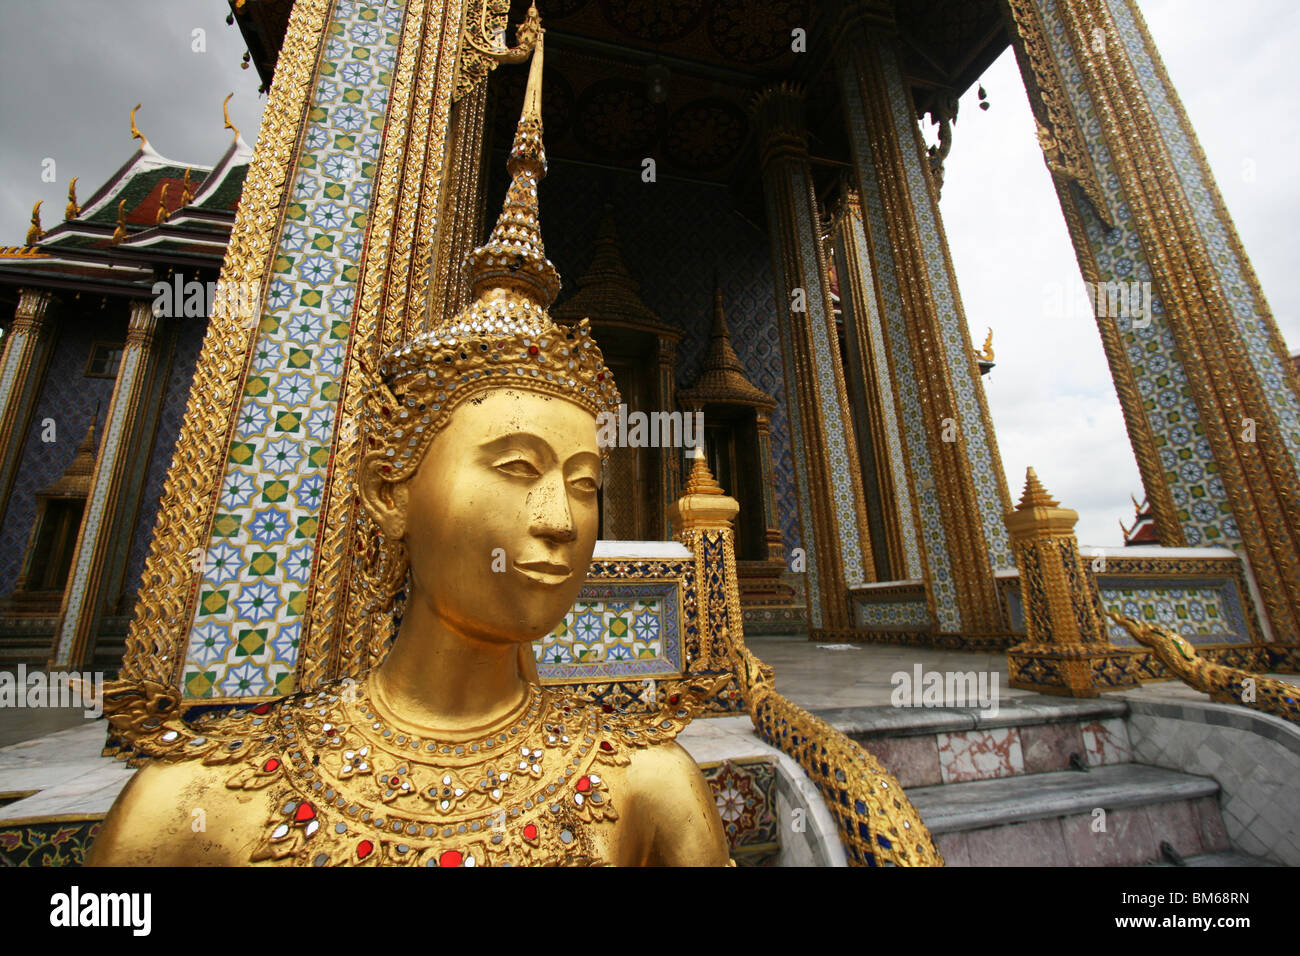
{"points": [[152, 821], [675, 811]]}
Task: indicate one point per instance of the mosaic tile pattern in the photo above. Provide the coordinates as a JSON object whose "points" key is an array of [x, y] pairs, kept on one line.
{"points": [[826, 396], [616, 632], [933, 536], [1251, 322], [976, 439], [1204, 612], [54, 842], [69, 398], [890, 615], [1175, 422], [244, 641], [745, 795], [799, 442], [889, 416]]}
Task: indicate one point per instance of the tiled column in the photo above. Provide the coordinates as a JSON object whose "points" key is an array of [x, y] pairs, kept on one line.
{"points": [[827, 475], [1210, 399], [82, 598], [22, 370], [871, 387], [771, 521], [957, 475]]}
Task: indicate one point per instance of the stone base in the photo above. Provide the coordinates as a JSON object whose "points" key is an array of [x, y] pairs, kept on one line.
{"points": [[915, 638], [1073, 671]]}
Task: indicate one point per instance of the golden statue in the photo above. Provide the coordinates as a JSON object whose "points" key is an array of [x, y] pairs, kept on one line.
{"points": [[480, 444]]}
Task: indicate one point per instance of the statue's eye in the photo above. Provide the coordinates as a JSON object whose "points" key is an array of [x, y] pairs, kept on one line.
{"points": [[518, 468], [585, 485]]}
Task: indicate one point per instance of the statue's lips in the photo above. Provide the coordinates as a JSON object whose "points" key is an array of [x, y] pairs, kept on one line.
{"points": [[544, 572]]}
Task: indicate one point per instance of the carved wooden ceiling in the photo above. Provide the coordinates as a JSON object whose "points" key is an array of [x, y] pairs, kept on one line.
{"points": [[710, 56]]}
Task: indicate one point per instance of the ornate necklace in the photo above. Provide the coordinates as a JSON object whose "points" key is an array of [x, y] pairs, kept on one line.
{"points": [[349, 789]]}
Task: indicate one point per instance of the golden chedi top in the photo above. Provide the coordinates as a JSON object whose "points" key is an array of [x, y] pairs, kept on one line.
{"points": [[505, 338]]}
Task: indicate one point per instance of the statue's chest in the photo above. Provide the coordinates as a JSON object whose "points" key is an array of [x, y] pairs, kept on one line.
{"points": [[343, 789]]}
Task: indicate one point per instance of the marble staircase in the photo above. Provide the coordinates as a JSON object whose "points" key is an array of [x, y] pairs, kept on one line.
{"points": [[1043, 781]]}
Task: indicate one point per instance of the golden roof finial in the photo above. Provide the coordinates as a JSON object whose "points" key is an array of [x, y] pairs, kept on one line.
{"points": [[701, 480], [1035, 495], [34, 232], [135, 130], [120, 232], [187, 188], [162, 206], [225, 112], [72, 210], [513, 257], [986, 353]]}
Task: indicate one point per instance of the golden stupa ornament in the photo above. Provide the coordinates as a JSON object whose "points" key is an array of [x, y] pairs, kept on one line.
{"points": [[480, 440]]}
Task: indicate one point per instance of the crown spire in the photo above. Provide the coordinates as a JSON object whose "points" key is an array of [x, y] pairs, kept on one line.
{"points": [[513, 259]]}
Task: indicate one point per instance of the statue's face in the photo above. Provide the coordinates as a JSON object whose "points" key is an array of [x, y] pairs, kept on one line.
{"points": [[502, 515]]}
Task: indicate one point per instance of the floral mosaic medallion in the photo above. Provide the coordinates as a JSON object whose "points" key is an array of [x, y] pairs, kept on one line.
{"points": [[745, 795]]}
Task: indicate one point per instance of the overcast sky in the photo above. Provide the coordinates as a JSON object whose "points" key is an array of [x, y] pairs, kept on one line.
{"points": [[74, 68]]}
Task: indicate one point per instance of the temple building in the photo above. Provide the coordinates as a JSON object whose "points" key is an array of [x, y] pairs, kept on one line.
{"points": [[747, 212], [197, 365], [97, 371]]}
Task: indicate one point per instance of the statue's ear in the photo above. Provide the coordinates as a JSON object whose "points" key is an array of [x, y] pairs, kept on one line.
{"points": [[385, 501]]}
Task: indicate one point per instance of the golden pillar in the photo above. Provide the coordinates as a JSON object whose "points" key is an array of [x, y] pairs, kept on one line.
{"points": [[1210, 399], [828, 480], [83, 596], [956, 473], [27, 351], [1067, 651], [461, 219], [670, 467]]}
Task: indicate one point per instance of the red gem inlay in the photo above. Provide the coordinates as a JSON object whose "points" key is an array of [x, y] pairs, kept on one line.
{"points": [[532, 350], [584, 784], [261, 709], [606, 746], [364, 849], [272, 764], [450, 858], [304, 813], [674, 698], [530, 831]]}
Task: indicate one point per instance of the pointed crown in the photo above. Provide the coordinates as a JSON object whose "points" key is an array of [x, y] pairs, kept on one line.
{"points": [[504, 339]]}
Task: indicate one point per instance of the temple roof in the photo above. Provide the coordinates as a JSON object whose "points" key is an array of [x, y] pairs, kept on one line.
{"points": [[722, 379], [152, 212], [607, 293]]}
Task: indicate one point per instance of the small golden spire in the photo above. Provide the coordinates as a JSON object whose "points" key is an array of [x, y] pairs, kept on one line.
{"points": [[120, 232], [513, 257], [162, 206], [986, 353], [701, 480], [34, 232], [225, 112], [187, 188], [72, 210], [135, 130], [1035, 495]]}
